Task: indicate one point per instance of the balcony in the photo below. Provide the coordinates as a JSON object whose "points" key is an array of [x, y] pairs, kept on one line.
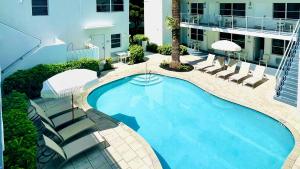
{"points": [[264, 27]]}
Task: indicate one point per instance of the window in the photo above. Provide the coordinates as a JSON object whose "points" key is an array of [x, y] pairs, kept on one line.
{"points": [[279, 10], [103, 5], [117, 5], [289, 10], [39, 7], [236, 9], [197, 8], [279, 46], [293, 11], [238, 39], [115, 40], [110, 5], [197, 34]]}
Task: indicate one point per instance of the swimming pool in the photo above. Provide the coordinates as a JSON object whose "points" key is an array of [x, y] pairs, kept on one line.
{"points": [[189, 128]]}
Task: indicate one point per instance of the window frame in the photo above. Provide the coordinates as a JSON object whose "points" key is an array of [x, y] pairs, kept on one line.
{"points": [[224, 11], [199, 8], [281, 47], [277, 13], [118, 43], [198, 35], [110, 6], [114, 5], [99, 5], [39, 6]]}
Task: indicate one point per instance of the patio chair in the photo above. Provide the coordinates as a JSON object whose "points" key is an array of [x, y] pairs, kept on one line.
{"points": [[62, 119], [243, 72], [55, 110], [230, 69], [219, 65], [257, 76], [71, 130], [74, 148], [209, 62]]}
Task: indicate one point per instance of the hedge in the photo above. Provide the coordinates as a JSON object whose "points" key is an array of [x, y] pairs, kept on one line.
{"points": [[138, 38], [152, 47], [20, 133], [167, 50], [30, 81], [136, 54]]}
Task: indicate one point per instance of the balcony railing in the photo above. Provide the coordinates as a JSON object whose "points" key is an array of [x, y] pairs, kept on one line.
{"points": [[248, 23]]}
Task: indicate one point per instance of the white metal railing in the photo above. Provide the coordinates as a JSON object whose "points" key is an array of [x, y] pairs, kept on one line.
{"points": [[279, 26], [292, 44]]}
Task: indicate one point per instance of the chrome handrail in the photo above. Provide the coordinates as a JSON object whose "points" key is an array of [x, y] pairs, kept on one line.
{"points": [[294, 40]]}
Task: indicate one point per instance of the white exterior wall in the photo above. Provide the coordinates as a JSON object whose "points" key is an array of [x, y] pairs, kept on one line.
{"points": [[155, 13], [66, 20]]}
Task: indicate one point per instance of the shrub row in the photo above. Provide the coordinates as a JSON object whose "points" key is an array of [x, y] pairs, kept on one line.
{"points": [[136, 54], [167, 50], [20, 133], [138, 38], [30, 81]]}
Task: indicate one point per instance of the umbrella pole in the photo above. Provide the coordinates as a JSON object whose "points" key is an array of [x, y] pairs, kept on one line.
{"points": [[72, 107]]}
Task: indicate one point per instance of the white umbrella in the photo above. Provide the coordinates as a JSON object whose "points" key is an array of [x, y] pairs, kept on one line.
{"points": [[226, 46], [68, 83]]}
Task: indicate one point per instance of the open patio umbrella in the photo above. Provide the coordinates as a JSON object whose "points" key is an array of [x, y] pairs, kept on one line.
{"points": [[68, 83], [227, 46]]}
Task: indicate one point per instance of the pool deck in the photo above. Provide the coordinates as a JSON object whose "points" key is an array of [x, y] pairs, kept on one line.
{"points": [[259, 98]]}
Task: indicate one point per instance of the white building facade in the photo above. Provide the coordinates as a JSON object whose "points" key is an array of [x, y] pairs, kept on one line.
{"points": [[262, 28], [44, 31]]}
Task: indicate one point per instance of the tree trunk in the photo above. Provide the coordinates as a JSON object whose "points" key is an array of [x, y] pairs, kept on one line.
{"points": [[176, 35]]}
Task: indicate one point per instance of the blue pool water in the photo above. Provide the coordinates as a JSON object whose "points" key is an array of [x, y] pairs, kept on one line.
{"points": [[190, 129]]}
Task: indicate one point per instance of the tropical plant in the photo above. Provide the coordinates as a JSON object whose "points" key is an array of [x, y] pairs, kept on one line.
{"points": [[136, 54], [152, 47]]}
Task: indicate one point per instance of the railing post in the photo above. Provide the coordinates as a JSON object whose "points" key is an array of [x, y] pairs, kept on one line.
{"points": [[246, 20], [262, 24], [232, 21]]}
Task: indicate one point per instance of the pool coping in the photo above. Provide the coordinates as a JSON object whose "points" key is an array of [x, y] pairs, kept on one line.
{"points": [[290, 161]]}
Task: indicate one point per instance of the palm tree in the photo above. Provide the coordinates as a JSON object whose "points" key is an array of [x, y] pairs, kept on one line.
{"points": [[175, 34]]}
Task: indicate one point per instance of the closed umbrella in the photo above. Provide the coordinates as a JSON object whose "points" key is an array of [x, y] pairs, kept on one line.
{"points": [[68, 83]]}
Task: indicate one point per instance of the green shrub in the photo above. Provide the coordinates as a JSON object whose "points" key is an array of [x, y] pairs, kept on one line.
{"points": [[136, 54], [20, 133], [152, 47], [30, 81], [183, 50], [138, 38], [108, 63], [165, 49]]}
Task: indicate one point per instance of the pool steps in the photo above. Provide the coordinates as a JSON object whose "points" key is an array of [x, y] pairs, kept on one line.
{"points": [[146, 80]]}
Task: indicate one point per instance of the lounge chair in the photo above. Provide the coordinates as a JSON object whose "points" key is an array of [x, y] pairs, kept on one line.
{"points": [[71, 130], [230, 69], [74, 148], [62, 119], [209, 62], [243, 72], [219, 65], [56, 109], [257, 76]]}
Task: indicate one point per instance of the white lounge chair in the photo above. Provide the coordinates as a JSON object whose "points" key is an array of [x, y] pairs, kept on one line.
{"points": [[74, 148], [243, 72], [257, 76], [230, 69], [209, 62], [219, 65]]}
